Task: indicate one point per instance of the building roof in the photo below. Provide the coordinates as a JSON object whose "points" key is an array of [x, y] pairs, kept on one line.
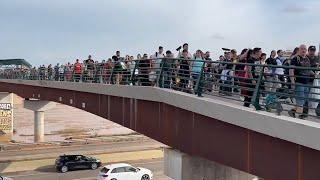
{"points": [[6, 62]]}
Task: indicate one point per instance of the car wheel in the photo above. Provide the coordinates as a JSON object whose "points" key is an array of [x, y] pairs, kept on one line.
{"points": [[94, 166], [64, 169], [145, 177]]}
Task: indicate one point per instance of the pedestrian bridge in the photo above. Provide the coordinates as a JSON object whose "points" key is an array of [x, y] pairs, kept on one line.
{"points": [[260, 143]]}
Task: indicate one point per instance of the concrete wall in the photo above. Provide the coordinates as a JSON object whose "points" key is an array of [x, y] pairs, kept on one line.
{"points": [[180, 166], [173, 163]]}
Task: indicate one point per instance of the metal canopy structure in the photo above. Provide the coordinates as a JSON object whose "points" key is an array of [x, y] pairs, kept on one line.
{"points": [[14, 63]]}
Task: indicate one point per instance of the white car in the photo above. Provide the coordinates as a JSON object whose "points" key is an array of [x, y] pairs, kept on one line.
{"points": [[4, 178], [123, 171]]}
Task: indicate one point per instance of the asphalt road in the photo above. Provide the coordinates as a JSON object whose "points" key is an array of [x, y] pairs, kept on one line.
{"points": [[83, 149], [155, 165]]}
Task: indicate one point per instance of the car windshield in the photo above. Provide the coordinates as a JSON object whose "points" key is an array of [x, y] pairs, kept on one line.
{"points": [[89, 158], [104, 170]]}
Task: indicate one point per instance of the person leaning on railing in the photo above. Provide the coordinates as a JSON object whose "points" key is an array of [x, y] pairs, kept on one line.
{"points": [[300, 79]]}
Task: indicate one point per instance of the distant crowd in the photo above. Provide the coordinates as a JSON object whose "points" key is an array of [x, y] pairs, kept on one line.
{"points": [[232, 73]]}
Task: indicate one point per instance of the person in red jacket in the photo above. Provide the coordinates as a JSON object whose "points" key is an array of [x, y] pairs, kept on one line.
{"points": [[77, 70]]}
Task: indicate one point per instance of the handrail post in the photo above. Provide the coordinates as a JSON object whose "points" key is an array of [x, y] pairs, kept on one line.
{"points": [[198, 88], [256, 94], [159, 77]]}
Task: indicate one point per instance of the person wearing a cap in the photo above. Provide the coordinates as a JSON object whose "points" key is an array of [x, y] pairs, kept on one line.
{"points": [[314, 62]]}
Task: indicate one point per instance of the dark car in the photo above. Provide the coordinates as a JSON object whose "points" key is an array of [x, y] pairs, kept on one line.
{"points": [[65, 163]]}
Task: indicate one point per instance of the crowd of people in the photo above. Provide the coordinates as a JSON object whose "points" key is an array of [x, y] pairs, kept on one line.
{"points": [[232, 73]]}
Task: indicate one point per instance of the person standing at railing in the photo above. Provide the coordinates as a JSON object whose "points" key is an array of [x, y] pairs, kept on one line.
{"points": [[56, 72], [106, 71], [68, 72], [226, 75], [168, 72], [77, 71], [184, 71], [89, 67], [33, 73], [234, 60], [185, 47], [132, 69], [209, 72], [260, 63], [144, 67], [196, 69], [156, 59], [50, 72], [61, 73], [300, 79], [239, 71], [126, 70], [155, 69], [42, 72]]}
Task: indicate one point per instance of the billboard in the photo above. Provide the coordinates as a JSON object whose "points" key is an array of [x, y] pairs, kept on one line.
{"points": [[5, 117]]}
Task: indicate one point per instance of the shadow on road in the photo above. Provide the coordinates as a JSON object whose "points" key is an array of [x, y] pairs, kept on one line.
{"points": [[49, 168]]}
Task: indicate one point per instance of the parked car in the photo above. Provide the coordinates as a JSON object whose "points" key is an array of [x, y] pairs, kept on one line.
{"points": [[4, 178], [124, 172], [65, 163]]}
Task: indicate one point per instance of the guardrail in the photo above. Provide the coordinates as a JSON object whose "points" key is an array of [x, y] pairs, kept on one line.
{"points": [[234, 81]]}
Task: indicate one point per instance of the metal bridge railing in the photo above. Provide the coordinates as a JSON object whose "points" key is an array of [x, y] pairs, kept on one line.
{"points": [[223, 80]]}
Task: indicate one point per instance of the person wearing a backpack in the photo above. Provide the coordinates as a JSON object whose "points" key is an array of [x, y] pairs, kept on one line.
{"points": [[300, 79]]}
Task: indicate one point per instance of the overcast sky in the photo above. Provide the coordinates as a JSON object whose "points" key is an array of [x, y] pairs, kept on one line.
{"points": [[47, 31]]}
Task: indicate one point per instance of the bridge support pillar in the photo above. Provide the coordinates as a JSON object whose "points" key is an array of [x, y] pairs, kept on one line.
{"points": [[38, 126], [39, 107], [180, 166]]}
